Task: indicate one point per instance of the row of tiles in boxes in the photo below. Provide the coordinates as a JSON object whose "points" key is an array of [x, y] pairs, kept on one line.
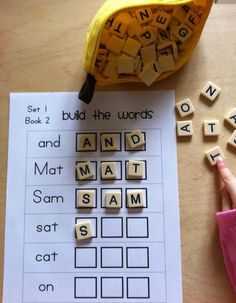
{"points": [[50, 287], [111, 258], [55, 143], [111, 170], [53, 199], [112, 198], [41, 171], [59, 228]]}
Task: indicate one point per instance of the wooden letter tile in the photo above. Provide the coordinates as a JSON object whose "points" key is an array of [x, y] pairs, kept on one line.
{"points": [[115, 44], [135, 139], [231, 117], [163, 36], [83, 230], [103, 52], [119, 27], [146, 36], [135, 169], [175, 50], [213, 155], [87, 142], [84, 170], [148, 54], [108, 170], [135, 198], [109, 22], [131, 47], [125, 65], [184, 128], [111, 70], [112, 57], [192, 20], [113, 199], [109, 142], [166, 63], [182, 32], [86, 198], [180, 12], [148, 75], [161, 20], [134, 27], [211, 128], [144, 15], [164, 45], [211, 91], [164, 52], [185, 107], [232, 140], [100, 63], [105, 37]]}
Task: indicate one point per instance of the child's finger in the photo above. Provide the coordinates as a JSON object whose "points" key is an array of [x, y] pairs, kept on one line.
{"points": [[228, 178], [226, 201]]}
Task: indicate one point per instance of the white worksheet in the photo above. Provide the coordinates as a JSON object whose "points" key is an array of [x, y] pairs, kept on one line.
{"points": [[134, 254]]}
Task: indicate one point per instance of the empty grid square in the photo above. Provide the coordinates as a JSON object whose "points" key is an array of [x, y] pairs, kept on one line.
{"points": [[112, 227], [138, 288], [137, 257], [85, 287], [111, 257], [137, 227], [112, 287], [85, 257]]}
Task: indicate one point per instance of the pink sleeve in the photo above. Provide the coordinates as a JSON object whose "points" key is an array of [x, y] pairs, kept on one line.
{"points": [[227, 229]]}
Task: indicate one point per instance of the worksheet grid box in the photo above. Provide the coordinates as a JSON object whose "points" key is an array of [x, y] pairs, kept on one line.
{"points": [[84, 189], [85, 257], [77, 147], [94, 166], [144, 177], [118, 170], [138, 287], [112, 227], [85, 287], [140, 148], [112, 287], [112, 257], [137, 227], [104, 190], [137, 257], [118, 139], [145, 195], [93, 221]]}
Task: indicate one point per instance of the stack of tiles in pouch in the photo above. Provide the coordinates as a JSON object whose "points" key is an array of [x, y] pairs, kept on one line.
{"points": [[146, 42]]}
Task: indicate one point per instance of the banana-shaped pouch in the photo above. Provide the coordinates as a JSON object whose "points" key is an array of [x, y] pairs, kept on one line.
{"points": [[141, 41]]}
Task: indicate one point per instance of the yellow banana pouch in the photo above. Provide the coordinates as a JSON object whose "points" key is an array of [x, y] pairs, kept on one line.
{"points": [[141, 41]]}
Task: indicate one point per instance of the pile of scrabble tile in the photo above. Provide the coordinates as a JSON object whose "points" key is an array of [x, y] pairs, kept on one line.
{"points": [[210, 127], [146, 42]]}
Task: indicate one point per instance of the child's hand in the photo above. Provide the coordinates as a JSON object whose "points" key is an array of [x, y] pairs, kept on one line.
{"points": [[229, 189]]}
